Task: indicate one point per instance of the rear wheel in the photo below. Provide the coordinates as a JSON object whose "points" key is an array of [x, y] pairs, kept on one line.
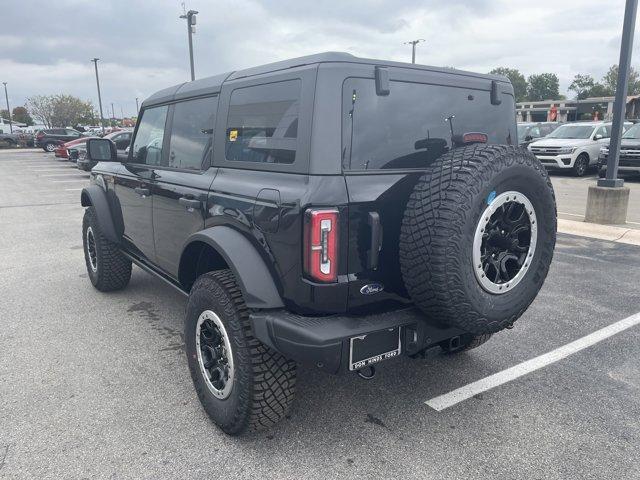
{"points": [[242, 384], [49, 147], [477, 237], [581, 165]]}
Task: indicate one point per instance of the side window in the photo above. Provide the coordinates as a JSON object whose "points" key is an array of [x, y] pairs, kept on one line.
{"points": [[147, 146], [72, 133], [192, 133], [535, 132], [602, 132], [58, 131], [262, 125]]}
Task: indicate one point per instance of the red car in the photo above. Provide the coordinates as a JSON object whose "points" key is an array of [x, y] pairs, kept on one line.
{"points": [[62, 150]]}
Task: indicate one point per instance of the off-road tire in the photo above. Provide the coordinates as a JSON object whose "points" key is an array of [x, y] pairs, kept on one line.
{"points": [[113, 269], [264, 381], [581, 165], [467, 342], [439, 226], [49, 147]]}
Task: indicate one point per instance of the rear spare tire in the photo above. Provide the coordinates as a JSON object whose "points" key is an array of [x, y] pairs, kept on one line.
{"points": [[477, 237]]}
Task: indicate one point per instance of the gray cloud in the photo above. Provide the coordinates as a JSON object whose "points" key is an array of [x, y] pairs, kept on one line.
{"points": [[46, 47]]}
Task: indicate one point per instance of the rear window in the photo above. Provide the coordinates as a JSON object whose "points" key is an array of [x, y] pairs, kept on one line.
{"points": [[416, 123], [262, 125]]}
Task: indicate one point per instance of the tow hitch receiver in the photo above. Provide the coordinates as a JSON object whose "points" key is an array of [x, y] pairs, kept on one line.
{"points": [[368, 349]]}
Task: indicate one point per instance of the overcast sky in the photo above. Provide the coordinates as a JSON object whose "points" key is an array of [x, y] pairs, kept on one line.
{"points": [[46, 46]]}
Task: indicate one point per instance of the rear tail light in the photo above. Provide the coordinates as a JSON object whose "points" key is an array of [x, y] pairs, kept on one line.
{"points": [[321, 244]]}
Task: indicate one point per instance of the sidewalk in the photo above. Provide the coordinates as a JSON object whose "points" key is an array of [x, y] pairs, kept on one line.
{"points": [[618, 234]]}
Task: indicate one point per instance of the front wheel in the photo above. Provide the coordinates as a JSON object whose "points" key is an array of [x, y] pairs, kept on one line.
{"points": [[108, 269], [49, 147], [581, 165], [242, 384]]}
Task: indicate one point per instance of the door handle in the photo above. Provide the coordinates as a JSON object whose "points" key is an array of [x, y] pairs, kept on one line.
{"points": [[190, 203], [143, 192]]}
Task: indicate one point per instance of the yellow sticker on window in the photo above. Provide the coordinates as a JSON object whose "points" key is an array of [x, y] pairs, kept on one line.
{"points": [[233, 135]]}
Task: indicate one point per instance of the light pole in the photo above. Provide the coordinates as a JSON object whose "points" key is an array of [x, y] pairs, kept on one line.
{"points": [[608, 201], [6, 97], [137, 107], [95, 62], [191, 28], [620, 104], [413, 44], [113, 115]]}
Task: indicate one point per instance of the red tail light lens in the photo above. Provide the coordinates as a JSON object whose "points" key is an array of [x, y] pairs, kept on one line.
{"points": [[475, 137], [321, 244]]}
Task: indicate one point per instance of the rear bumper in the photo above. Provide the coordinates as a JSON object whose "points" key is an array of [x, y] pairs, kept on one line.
{"points": [[324, 341]]}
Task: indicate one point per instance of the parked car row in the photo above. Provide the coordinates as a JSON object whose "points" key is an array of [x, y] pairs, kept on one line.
{"points": [[75, 149], [577, 146], [52, 138]]}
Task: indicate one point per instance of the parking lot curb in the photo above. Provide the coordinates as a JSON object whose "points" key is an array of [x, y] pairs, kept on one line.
{"points": [[602, 232]]}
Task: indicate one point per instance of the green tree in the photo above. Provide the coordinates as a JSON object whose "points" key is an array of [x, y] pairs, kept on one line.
{"points": [[60, 110], [582, 85], [543, 86], [20, 114], [4, 114], [517, 80], [610, 81]]}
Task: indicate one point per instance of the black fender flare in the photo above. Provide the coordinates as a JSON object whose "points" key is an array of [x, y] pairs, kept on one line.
{"points": [[96, 197], [252, 274]]}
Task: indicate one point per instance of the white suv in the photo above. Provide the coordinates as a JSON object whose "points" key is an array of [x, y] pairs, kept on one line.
{"points": [[573, 146]]}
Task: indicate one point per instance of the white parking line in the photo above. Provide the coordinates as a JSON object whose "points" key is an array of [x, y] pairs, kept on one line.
{"points": [[72, 189], [464, 393]]}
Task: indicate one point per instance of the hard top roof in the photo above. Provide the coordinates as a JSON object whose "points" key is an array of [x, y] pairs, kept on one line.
{"points": [[214, 84]]}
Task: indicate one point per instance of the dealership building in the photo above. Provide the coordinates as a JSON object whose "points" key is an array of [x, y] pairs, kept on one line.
{"points": [[593, 108]]}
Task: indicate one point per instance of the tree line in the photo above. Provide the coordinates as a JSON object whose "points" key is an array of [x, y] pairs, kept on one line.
{"points": [[546, 86], [54, 111]]}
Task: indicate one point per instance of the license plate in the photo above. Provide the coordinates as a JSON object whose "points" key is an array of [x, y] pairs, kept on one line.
{"points": [[365, 350]]}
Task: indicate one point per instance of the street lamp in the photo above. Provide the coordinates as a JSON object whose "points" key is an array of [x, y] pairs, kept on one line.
{"points": [[191, 29], [95, 61], [6, 97], [413, 44]]}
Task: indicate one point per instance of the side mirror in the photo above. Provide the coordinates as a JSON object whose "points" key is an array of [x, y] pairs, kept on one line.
{"points": [[101, 150], [528, 138], [598, 137]]}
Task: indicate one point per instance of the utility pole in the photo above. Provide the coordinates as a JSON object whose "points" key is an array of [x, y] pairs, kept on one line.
{"points": [[413, 44], [6, 97], [191, 29], [122, 113], [95, 62], [113, 115], [137, 107]]}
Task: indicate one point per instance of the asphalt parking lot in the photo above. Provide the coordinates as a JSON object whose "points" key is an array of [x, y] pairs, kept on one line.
{"points": [[96, 385]]}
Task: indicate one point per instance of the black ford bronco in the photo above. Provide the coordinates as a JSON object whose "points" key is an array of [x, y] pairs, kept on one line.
{"points": [[328, 210]]}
